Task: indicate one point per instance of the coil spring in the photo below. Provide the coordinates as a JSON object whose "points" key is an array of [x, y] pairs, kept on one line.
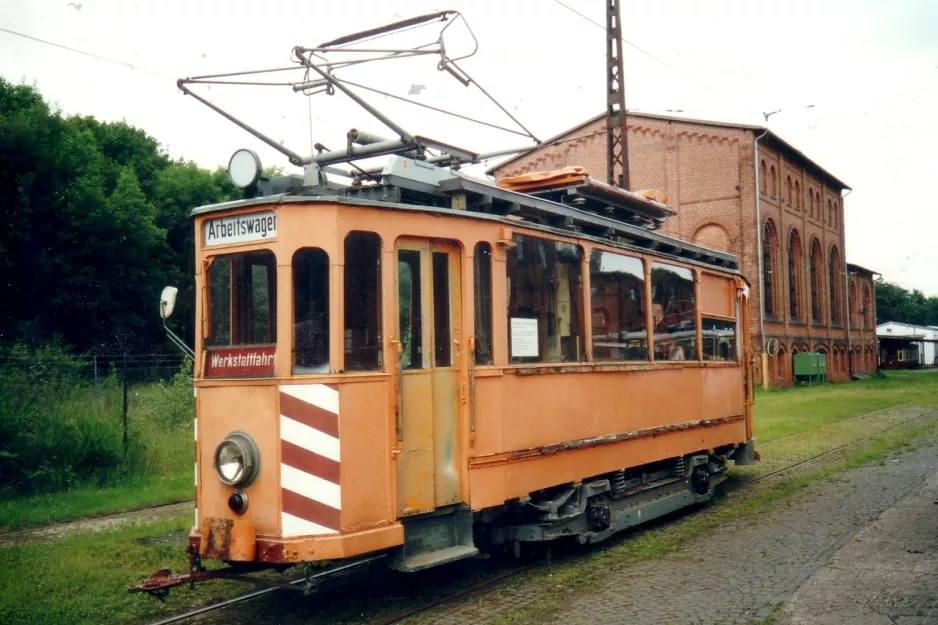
{"points": [[679, 466], [617, 482]]}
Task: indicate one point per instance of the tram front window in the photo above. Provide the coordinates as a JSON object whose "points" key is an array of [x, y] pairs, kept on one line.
{"points": [[310, 311], [242, 301]]}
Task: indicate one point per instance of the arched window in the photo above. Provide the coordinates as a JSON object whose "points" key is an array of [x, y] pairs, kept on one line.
{"points": [[830, 213], [769, 267], [310, 311], [795, 263], [836, 216], [774, 181], [817, 204], [817, 281], [788, 185], [763, 181], [835, 285], [363, 302], [853, 304], [867, 309], [811, 202], [797, 194]]}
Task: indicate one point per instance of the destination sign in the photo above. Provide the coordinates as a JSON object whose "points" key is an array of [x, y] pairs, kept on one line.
{"points": [[239, 228], [237, 362]]}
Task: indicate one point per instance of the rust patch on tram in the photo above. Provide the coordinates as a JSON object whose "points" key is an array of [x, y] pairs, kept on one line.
{"points": [[227, 539]]}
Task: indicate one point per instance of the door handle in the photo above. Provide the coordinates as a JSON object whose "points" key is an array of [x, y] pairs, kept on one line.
{"points": [[399, 404]]}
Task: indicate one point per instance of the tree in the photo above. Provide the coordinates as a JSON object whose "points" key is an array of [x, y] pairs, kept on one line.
{"points": [[95, 221], [894, 303]]}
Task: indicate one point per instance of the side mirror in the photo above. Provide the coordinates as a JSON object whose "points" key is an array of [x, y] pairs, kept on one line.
{"points": [[168, 301]]}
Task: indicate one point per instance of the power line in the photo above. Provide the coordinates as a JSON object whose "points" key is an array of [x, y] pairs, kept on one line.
{"points": [[89, 54], [626, 41], [677, 70]]}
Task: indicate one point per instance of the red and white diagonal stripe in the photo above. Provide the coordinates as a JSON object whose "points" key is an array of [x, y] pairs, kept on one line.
{"points": [[309, 459]]}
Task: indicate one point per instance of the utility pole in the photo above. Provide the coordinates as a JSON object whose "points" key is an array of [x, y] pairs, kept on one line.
{"points": [[617, 141]]}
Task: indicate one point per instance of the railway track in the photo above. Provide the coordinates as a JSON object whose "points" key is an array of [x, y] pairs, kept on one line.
{"points": [[503, 575]]}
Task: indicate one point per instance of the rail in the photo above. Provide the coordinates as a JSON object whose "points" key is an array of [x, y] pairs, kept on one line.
{"points": [[502, 576]]}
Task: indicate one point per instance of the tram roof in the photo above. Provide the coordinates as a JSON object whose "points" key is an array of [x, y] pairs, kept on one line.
{"points": [[457, 195]]}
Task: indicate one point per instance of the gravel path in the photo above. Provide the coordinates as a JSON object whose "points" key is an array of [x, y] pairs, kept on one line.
{"points": [[97, 524]]}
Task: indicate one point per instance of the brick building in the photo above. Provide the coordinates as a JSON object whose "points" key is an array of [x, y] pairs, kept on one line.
{"points": [[745, 190]]}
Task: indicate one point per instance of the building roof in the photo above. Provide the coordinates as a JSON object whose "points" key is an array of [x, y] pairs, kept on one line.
{"points": [[687, 120], [864, 269], [909, 330]]}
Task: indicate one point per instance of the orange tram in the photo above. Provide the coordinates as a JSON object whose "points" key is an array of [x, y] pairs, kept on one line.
{"points": [[436, 364]]}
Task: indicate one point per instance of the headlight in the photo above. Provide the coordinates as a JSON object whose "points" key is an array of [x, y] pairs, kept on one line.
{"points": [[237, 460]]}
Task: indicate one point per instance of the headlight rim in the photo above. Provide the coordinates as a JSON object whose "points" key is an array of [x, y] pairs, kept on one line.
{"points": [[251, 459]]}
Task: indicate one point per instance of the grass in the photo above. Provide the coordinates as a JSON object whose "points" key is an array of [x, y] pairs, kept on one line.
{"points": [[132, 493], [82, 579], [61, 441], [784, 412]]}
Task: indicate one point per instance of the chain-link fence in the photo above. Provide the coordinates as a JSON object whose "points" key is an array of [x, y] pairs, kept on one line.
{"points": [[100, 418]]}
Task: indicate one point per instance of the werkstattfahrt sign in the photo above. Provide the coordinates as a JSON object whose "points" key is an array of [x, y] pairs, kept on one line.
{"points": [[235, 362]]}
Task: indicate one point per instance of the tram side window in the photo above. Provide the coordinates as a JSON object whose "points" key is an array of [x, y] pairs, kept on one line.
{"points": [[544, 301], [483, 303], [719, 339], [310, 311], [673, 312], [617, 301], [242, 299], [362, 302]]}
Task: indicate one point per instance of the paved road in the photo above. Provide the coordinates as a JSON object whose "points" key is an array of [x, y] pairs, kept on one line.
{"points": [[886, 575], [859, 548]]}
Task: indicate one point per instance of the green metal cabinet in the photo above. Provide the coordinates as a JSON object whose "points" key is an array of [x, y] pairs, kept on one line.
{"points": [[810, 368]]}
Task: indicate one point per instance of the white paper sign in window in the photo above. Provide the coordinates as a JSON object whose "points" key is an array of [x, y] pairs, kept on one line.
{"points": [[523, 338]]}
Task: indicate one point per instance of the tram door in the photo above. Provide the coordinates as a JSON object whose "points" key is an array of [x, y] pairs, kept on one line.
{"points": [[429, 332]]}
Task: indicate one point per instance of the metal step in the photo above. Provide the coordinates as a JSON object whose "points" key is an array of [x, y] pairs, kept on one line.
{"points": [[430, 539], [433, 558]]}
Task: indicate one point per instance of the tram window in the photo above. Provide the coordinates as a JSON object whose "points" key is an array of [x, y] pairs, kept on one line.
{"points": [[483, 303], [362, 302], [617, 300], [310, 311], [719, 339], [441, 330], [409, 314], [544, 301], [673, 312], [242, 299]]}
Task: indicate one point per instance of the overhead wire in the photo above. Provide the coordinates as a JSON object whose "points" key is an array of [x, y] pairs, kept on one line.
{"points": [[85, 53], [650, 55]]}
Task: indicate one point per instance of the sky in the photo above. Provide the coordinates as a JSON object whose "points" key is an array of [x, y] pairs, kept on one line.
{"points": [[854, 83]]}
